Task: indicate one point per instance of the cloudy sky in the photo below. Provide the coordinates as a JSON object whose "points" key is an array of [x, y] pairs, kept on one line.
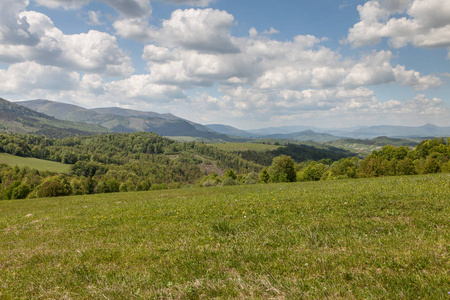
{"points": [[249, 64]]}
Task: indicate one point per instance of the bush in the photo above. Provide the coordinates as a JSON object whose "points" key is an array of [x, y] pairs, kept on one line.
{"points": [[228, 181], [53, 189]]}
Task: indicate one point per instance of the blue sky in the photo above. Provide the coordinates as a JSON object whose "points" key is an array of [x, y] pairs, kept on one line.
{"points": [[249, 64]]}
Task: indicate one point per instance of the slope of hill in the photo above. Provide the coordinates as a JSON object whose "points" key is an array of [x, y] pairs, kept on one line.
{"points": [[18, 119], [125, 120], [33, 163], [382, 238]]}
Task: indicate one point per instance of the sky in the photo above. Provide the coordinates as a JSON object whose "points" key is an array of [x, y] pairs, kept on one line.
{"points": [[249, 64]]}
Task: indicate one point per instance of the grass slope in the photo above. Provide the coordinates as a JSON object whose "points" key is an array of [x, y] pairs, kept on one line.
{"points": [[34, 163], [385, 238]]}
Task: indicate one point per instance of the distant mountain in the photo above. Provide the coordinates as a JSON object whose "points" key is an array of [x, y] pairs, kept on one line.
{"points": [[18, 119], [307, 136], [367, 132], [229, 130], [125, 120], [428, 130], [282, 130]]}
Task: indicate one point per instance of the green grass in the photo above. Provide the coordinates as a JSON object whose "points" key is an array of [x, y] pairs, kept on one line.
{"points": [[385, 238], [34, 163], [246, 146]]}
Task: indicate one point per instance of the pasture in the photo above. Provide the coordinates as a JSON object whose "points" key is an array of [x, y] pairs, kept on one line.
{"points": [[381, 238], [34, 163]]}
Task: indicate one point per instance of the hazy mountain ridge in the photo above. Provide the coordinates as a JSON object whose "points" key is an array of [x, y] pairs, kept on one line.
{"points": [[128, 120], [15, 118], [125, 120]]}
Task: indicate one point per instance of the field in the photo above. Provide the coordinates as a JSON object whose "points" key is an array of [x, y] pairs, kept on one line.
{"points": [[34, 163], [245, 147], [382, 238]]}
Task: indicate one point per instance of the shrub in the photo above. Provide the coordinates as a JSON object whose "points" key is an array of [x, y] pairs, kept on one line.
{"points": [[228, 181]]}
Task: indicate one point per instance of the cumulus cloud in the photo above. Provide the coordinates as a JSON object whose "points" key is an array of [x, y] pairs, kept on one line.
{"points": [[422, 23], [14, 28], [28, 76], [376, 68], [88, 52], [205, 30]]}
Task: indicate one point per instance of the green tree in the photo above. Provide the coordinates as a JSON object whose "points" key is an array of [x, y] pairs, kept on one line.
{"points": [[282, 169], [264, 176], [313, 172]]}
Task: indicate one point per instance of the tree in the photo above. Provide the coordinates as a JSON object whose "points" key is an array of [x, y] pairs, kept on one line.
{"points": [[230, 173], [282, 169], [264, 176], [313, 172]]}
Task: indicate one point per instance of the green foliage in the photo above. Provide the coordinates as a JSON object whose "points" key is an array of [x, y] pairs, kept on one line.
{"points": [[313, 172], [299, 153], [230, 173], [21, 191], [54, 187], [282, 169], [228, 181], [264, 176]]}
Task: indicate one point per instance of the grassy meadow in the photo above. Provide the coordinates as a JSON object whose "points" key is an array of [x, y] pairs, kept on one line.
{"points": [[34, 163], [381, 238]]}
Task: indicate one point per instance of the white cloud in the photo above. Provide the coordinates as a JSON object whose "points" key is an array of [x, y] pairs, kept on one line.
{"points": [[376, 69], [95, 52], [15, 29], [205, 30], [94, 18], [28, 76], [423, 23]]}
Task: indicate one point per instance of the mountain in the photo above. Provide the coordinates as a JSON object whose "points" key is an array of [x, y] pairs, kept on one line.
{"points": [[282, 130], [307, 135], [15, 118], [230, 130], [366, 132], [428, 130], [126, 120]]}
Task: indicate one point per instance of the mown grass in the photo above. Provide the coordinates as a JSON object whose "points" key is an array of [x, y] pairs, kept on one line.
{"points": [[385, 238], [246, 146], [34, 163]]}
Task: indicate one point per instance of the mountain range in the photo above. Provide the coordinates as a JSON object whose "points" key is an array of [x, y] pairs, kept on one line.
{"points": [[125, 120], [38, 116], [18, 119]]}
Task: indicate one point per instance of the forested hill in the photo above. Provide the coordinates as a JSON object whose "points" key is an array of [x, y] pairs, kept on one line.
{"points": [[137, 158], [18, 119]]}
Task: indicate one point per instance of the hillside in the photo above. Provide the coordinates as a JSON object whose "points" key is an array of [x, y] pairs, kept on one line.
{"points": [[126, 120], [264, 154], [18, 119], [381, 238], [113, 163], [33, 163]]}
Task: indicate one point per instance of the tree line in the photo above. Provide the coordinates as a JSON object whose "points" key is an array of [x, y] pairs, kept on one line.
{"points": [[110, 163], [429, 156], [146, 161]]}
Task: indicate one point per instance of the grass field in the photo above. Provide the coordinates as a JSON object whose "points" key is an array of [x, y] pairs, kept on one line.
{"points": [[246, 146], [384, 238], [34, 163]]}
